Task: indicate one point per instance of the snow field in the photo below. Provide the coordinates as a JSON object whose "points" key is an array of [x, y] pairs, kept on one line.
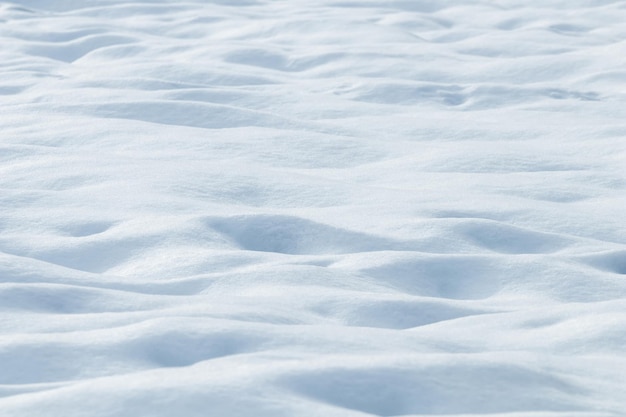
{"points": [[346, 208]]}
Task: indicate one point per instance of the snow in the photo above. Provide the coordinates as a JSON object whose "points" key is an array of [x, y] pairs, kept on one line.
{"points": [[332, 208]]}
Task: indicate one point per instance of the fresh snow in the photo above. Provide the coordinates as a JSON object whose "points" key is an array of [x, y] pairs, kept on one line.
{"points": [[268, 208]]}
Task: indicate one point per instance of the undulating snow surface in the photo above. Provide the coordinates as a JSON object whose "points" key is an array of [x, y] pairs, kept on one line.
{"points": [[270, 208]]}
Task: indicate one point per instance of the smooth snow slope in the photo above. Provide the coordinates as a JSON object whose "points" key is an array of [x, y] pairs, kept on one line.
{"points": [[313, 208]]}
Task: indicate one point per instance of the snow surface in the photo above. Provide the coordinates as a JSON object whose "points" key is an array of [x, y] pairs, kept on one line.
{"points": [[313, 208]]}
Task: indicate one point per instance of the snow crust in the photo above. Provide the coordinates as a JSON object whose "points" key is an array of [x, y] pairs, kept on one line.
{"points": [[294, 208]]}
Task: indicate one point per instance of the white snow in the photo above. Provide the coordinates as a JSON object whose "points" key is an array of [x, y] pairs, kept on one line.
{"points": [[294, 208]]}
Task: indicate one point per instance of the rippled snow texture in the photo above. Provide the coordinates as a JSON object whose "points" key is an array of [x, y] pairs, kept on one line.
{"points": [[298, 208]]}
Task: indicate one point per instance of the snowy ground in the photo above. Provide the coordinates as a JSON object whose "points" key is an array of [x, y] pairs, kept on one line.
{"points": [[270, 208]]}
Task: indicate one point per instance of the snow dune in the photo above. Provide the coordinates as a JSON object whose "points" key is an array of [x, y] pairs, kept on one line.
{"points": [[332, 208]]}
